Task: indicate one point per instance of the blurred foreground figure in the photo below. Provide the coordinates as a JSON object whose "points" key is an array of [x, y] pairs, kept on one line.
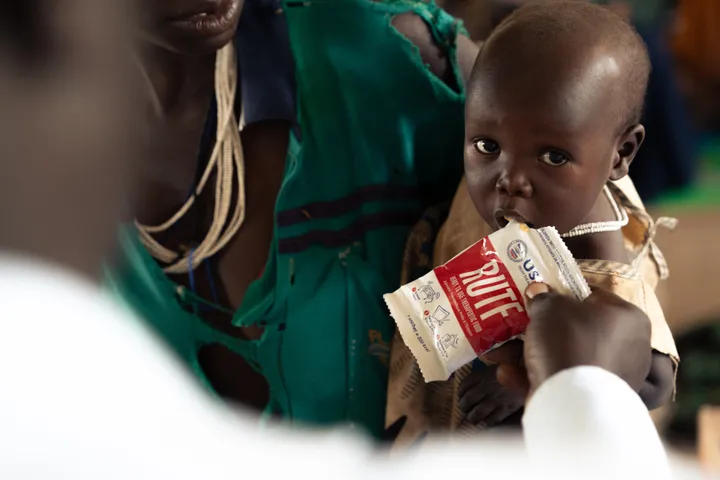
{"points": [[65, 157], [87, 393]]}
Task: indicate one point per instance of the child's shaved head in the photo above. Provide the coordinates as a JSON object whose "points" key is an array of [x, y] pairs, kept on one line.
{"points": [[553, 106], [568, 33]]}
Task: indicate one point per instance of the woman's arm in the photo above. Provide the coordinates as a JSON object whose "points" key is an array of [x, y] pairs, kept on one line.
{"points": [[659, 383], [416, 30]]}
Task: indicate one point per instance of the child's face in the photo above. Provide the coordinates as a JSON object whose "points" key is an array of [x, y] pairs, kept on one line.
{"points": [[537, 150]]}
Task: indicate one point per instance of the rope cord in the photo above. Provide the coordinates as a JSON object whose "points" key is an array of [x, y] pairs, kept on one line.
{"points": [[229, 165]]}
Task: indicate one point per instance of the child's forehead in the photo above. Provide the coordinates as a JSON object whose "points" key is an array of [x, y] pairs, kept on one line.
{"points": [[567, 91]]}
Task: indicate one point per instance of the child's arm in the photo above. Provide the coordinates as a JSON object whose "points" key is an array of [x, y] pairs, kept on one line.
{"points": [[484, 401], [659, 383]]}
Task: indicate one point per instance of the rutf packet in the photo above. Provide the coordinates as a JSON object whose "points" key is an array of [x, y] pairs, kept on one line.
{"points": [[474, 302]]}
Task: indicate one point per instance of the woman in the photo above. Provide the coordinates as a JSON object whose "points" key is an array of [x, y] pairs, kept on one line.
{"points": [[263, 259]]}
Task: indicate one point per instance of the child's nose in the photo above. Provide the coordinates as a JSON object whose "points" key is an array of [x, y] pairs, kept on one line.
{"points": [[515, 183]]}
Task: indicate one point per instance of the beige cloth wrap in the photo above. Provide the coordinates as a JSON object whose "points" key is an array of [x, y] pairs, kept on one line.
{"points": [[432, 408]]}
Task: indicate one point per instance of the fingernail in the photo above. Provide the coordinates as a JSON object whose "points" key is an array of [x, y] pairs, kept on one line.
{"points": [[536, 289]]}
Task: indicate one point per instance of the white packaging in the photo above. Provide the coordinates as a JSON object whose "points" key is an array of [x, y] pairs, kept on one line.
{"points": [[474, 302]]}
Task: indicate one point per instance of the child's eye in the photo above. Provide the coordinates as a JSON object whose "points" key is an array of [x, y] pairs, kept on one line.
{"points": [[487, 147], [554, 159]]}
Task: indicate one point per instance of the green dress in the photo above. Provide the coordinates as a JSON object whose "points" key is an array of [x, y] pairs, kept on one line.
{"points": [[382, 137]]}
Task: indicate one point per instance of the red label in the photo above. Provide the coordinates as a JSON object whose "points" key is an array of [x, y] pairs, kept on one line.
{"points": [[484, 297]]}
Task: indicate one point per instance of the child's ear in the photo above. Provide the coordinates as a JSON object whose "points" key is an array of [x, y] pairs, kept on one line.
{"points": [[628, 146]]}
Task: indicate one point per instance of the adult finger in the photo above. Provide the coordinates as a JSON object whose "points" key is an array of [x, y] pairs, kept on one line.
{"points": [[543, 303], [538, 295], [537, 288]]}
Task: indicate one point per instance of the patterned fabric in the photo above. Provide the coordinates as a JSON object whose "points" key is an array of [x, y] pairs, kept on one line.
{"points": [[430, 409]]}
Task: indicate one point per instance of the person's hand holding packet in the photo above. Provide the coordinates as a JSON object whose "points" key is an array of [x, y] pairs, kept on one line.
{"points": [[603, 330]]}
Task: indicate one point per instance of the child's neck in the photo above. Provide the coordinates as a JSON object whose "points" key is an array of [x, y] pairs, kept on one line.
{"points": [[601, 246]]}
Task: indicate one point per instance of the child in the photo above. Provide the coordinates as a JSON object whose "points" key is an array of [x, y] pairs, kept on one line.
{"points": [[552, 116]]}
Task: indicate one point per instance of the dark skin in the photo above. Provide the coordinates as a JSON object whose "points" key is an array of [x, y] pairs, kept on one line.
{"points": [[485, 401], [180, 66], [612, 336], [542, 138]]}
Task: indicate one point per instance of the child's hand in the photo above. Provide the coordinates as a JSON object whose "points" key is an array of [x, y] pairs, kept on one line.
{"points": [[484, 401]]}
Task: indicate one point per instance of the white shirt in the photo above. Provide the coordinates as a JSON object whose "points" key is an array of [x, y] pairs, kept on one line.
{"points": [[86, 392]]}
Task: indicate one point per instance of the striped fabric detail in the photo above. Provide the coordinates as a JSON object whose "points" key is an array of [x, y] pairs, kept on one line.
{"points": [[389, 217], [349, 234], [347, 204]]}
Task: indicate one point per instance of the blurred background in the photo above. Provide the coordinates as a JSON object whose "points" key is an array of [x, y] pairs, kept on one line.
{"points": [[677, 174]]}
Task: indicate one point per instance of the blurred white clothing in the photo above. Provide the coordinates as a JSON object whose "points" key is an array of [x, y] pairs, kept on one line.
{"points": [[87, 393]]}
